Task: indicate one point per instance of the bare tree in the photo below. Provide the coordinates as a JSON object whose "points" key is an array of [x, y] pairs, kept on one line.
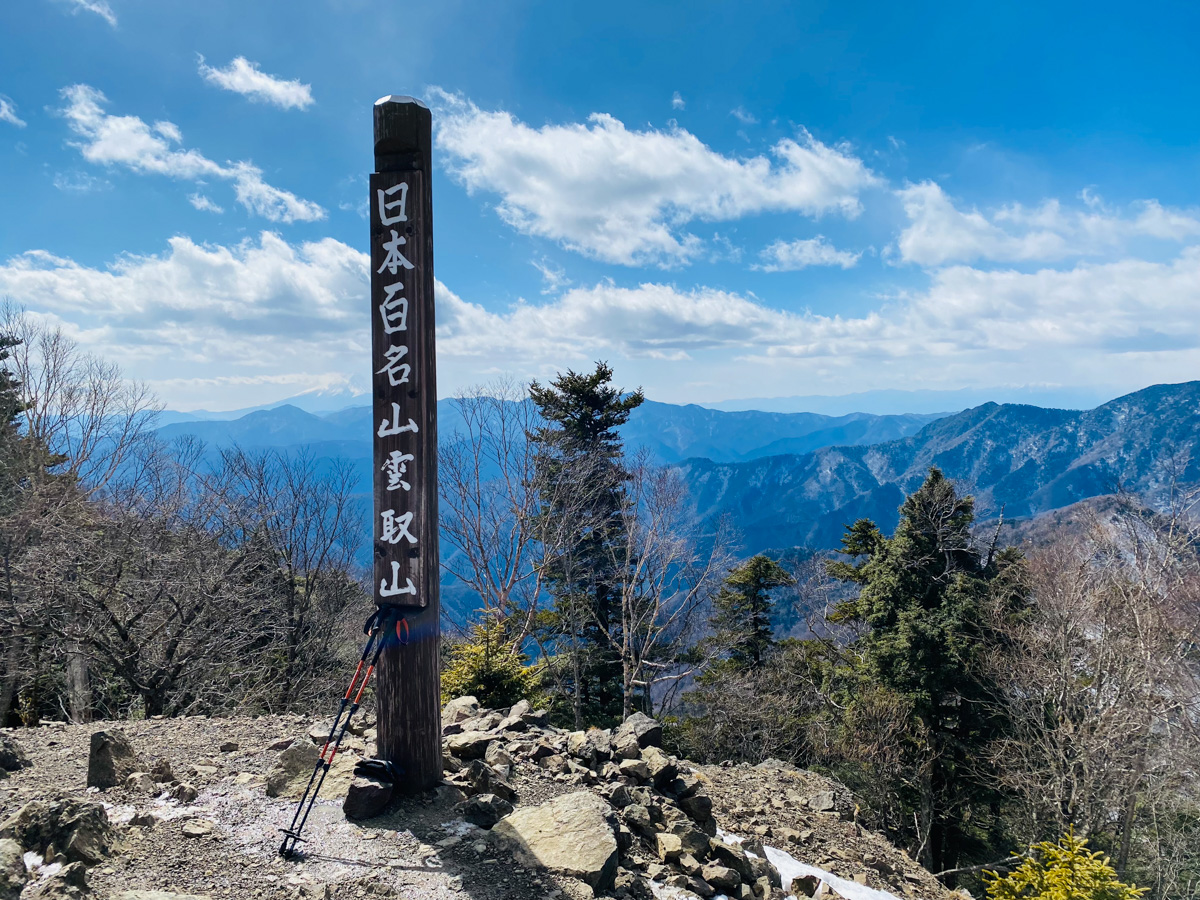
{"points": [[667, 575]]}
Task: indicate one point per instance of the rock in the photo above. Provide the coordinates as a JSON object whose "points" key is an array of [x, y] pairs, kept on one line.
{"points": [[469, 744], [281, 744], [141, 782], [637, 817], [823, 801], [692, 841], [111, 759], [360, 726], [160, 895], [184, 793], [805, 886], [69, 883], [860, 878], [722, 878], [484, 810], [12, 869], [161, 772], [520, 710], [570, 835], [635, 769], [625, 746], [459, 709], [554, 763], [79, 831], [499, 759], [12, 757], [730, 857], [590, 747], [668, 846], [300, 758], [644, 729], [662, 769], [229, 746], [482, 779], [367, 797], [697, 806], [197, 828], [319, 733]]}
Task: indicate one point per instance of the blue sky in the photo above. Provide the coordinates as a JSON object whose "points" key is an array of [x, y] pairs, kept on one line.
{"points": [[723, 200]]}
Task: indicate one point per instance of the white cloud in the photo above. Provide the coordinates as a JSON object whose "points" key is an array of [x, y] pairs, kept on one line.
{"points": [[787, 256], [271, 318], [626, 196], [939, 232], [677, 101], [204, 204], [99, 7], [8, 112], [152, 149], [244, 77], [554, 277], [742, 115]]}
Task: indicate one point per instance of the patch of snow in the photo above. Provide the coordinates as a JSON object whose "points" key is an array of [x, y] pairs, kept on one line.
{"points": [[789, 868], [458, 828], [119, 815], [33, 861]]}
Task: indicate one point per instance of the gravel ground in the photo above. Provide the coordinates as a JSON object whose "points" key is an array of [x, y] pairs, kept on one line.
{"points": [[417, 849]]}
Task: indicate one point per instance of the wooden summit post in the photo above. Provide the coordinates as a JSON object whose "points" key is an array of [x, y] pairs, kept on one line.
{"points": [[405, 438]]}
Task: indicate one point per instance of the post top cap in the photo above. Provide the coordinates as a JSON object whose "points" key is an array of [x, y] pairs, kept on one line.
{"points": [[400, 98]]}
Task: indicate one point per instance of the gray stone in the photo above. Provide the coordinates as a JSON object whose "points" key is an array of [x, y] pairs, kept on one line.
{"points": [[635, 769], [469, 744], [69, 883], [646, 730], [161, 771], [184, 793], [229, 746], [367, 797], [822, 802], [697, 806], [459, 709], [499, 759], [590, 747], [731, 857], [299, 758], [698, 885], [141, 782], [79, 830], [484, 810], [638, 818], [197, 828], [12, 869], [111, 759], [688, 864], [668, 846], [721, 877], [160, 895], [662, 769], [482, 779], [12, 757], [570, 835]]}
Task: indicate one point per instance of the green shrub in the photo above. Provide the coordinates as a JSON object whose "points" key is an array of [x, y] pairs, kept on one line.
{"points": [[488, 667], [1061, 871]]}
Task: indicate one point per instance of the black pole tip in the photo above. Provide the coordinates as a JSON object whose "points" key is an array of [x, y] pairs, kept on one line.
{"points": [[399, 98]]}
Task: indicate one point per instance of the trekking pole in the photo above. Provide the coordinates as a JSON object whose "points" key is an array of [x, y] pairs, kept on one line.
{"points": [[375, 628]]}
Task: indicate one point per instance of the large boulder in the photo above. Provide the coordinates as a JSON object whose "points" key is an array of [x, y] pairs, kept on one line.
{"points": [[80, 831], [368, 797], [645, 730], [12, 757], [570, 835], [111, 759], [469, 744], [298, 759], [12, 869], [460, 709], [484, 810], [69, 883]]}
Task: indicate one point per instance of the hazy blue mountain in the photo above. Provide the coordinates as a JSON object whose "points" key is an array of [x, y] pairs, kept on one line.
{"points": [[893, 402], [1023, 459], [671, 433]]}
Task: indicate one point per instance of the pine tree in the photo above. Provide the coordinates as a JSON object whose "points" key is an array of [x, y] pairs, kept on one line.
{"points": [[741, 622], [923, 595], [581, 480]]}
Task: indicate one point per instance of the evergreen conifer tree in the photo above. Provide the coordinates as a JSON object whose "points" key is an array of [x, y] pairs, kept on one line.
{"points": [[741, 621], [581, 479]]}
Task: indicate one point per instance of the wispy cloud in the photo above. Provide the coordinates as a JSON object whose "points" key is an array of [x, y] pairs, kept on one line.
{"points": [[788, 256], [244, 77], [677, 101], [99, 7], [152, 149], [204, 204], [625, 196], [939, 232], [8, 112], [554, 277], [742, 115]]}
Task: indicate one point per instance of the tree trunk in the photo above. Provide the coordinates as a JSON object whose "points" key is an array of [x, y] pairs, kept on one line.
{"points": [[8, 683], [79, 688]]}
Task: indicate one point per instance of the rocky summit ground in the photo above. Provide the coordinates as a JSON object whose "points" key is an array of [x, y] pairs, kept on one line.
{"points": [[526, 811]]}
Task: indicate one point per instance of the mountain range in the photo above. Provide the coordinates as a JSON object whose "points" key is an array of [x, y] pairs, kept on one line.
{"points": [[1022, 460], [796, 479]]}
